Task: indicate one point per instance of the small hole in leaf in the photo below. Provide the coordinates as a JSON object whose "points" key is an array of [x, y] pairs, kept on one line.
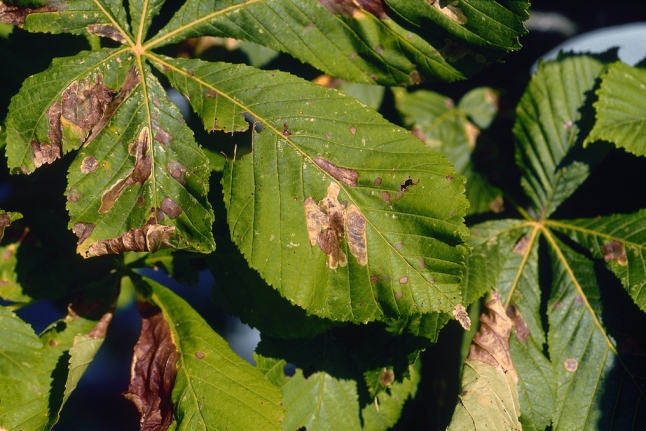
{"points": [[289, 370]]}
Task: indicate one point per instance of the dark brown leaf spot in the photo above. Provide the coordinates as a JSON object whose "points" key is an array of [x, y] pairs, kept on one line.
{"points": [[151, 237], [398, 295], [82, 231], [170, 208], [522, 245], [403, 280], [614, 250], [385, 196], [578, 300], [139, 174], [345, 175], [386, 377], [462, 316], [399, 246], [522, 330], [106, 30], [374, 278], [200, 355], [52, 343], [378, 181], [421, 264], [89, 165], [356, 234], [571, 364], [286, 131], [153, 370], [408, 183], [17, 14], [353, 130], [73, 196], [140, 201], [211, 94], [178, 171]]}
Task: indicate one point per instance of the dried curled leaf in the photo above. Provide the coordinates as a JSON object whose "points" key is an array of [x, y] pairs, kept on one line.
{"points": [[491, 343], [489, 396], [153, 370]]}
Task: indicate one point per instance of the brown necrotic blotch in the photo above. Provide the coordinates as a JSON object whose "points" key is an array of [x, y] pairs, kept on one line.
{"points": [[326, 226], [345, 175], [139, 174], [106, 30], [151, 237], [170, 208], [72, 117], [153, 370]]}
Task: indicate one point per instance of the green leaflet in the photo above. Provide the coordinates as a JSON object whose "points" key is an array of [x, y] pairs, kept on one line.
{"points": [[214, 388], [621, 108], [36, 378], [24, 395], [297, 159], [450, 130], [346, 41], [619, 240], [323, 401], [488, 400], [547, 130]]}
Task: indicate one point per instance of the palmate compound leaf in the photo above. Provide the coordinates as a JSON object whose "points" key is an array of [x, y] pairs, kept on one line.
{"points": [[549, 119], [489, 397], [362, 41], [324, 401], [39, 373], [620, 240], [342, 212], [454, 131], [214, 388], [139, 181], [621, 108]]}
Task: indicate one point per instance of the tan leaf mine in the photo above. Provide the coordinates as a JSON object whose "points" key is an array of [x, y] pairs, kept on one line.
{"points": [[139, 174], [153, 370], [106, 30], [355, 8], [170, 208], [452, 12], [386, 377], [356, 234], [462, 316], [326, 225], [614, 250], [345, 175], [491, 343]]}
